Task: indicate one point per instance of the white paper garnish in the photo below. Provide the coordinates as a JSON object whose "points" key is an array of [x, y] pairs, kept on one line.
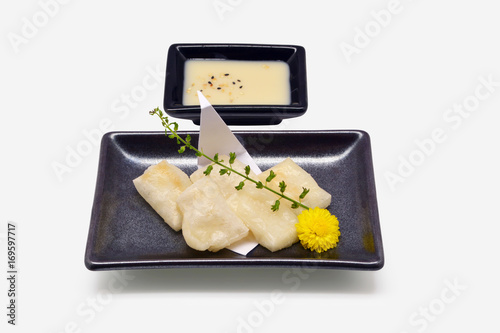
{"points": [[216, 137]]}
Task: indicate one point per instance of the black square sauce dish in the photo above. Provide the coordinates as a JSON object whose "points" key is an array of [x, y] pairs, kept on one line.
{"points": [[260, 111]]}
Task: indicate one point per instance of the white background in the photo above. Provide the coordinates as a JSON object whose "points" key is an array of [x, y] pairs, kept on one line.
{"points": [[439, 221]]}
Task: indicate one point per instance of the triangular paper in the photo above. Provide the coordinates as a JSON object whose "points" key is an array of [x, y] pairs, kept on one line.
{"points": [[216, 137]]}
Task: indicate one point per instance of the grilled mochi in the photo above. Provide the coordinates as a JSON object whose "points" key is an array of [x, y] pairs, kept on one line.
{"points": [[226, 182], [273, 230], [208, 221], [296, 179], [160, 185]]}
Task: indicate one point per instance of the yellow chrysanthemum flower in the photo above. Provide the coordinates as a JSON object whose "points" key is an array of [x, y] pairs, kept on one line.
{"points": [[317, 229]]}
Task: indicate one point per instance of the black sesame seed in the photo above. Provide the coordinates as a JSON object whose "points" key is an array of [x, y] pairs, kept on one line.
{"points": [[213, 77], [239, 80], [241, 87], [219, 88], [227, 74]]}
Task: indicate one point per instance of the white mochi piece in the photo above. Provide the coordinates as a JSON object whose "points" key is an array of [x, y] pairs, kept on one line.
{"points": [[208, 222], [273, 230], [296, 178], [160, 185]]}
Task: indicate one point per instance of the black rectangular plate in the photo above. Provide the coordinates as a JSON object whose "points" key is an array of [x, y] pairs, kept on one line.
{"points": [[126, 233]]}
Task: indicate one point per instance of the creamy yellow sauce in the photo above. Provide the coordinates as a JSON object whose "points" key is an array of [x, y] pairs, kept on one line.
{"points": [[237, 82]]}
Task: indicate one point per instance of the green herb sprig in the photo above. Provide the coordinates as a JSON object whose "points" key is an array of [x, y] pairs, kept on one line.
{"points": [[171, 129]]}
